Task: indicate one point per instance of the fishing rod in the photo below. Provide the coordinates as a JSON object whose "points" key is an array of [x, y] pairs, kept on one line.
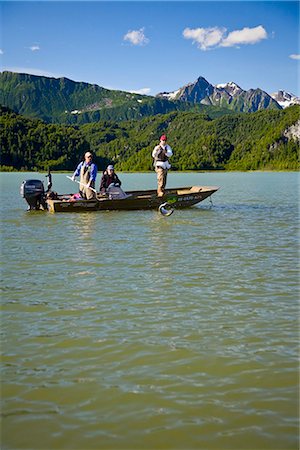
{"points": [[82, 184]]}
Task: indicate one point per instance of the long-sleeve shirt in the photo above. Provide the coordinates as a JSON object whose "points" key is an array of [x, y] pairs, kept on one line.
{"points": [[159, 160], [106, 180], [93, 173]]}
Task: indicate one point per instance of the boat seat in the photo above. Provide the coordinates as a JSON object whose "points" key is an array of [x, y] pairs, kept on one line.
{"points": [[192, 190]]}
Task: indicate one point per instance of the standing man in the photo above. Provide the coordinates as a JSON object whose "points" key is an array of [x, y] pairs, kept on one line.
{"points": [[161, 154], [88, 172]]}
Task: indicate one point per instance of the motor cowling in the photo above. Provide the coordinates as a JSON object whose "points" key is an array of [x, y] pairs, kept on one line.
{"points": [[34, 193]]}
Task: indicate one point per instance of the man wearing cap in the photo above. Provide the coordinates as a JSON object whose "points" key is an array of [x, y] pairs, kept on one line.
{"points": [[88, 173], [161, 154], [109, 178]]}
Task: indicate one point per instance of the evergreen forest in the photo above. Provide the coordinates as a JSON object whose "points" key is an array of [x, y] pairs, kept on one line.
{"points": [[236, 141]]}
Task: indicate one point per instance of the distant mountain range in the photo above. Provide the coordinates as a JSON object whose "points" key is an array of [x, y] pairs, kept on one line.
{"points": [[60, 100], [285, 99], [230, 95]]}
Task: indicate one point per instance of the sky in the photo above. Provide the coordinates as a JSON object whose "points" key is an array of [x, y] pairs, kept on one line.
{"points": [[151, 47]]}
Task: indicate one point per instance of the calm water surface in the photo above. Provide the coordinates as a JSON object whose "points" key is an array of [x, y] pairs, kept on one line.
{"points": [[130, 330]]}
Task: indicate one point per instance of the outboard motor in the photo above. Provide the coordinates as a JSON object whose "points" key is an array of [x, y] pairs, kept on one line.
{"points": [[34, 194]]}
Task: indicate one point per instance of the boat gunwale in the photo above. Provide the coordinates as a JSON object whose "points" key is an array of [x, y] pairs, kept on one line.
{"points": [[146, 199]]}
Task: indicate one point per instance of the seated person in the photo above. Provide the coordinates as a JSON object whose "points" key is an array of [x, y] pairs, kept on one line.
{"points": [[109, 178]]}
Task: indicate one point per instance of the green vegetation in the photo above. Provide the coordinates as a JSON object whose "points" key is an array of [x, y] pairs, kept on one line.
{"points": [[60, 100], [33, 145], [244, 141]]}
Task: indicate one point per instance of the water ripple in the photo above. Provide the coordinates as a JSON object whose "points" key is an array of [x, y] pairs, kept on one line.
{"points": [[127, 327]]}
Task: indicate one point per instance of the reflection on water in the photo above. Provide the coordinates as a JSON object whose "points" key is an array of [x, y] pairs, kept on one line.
{"points": [[125, 330]]}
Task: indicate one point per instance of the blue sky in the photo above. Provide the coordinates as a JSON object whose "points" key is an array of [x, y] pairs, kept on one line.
{"points": [[155, 46]]}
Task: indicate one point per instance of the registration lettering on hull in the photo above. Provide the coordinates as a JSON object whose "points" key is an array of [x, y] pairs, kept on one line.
{"points": [[75, 205]]}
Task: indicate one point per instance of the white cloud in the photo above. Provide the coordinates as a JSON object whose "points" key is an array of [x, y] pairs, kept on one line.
{"points": [[207, 38], [1, 51], [34, 48], [136, 37], [295, 56], [245, 36], [142, 91]]}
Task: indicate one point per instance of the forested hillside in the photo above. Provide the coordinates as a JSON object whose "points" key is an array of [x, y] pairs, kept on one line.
{"points": [[234, 142], [60, 100]]}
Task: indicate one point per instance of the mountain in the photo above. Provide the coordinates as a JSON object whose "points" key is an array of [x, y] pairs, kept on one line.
{"points": [[285, 99], [60, 100], [228, 95]]}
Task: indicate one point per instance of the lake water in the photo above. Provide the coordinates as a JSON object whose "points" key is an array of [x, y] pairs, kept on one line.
{"points": [[130, 330]]}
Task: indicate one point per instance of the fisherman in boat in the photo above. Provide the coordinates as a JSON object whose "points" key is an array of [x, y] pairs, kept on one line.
{"points": [[161, 154], [110, 185], [109, 179], [88, 173]]}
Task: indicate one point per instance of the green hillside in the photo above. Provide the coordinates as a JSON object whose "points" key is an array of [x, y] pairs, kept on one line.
{"points": [[60, 100], [245, 141]]}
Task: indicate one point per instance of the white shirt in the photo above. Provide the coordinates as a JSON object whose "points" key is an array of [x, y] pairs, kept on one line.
{"points": [[169, 153]]}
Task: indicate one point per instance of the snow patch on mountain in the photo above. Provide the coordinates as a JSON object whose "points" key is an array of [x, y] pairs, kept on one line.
{"points": [[231, 88], [285, 98], [170, 95], [230, 95], [230, 85]]}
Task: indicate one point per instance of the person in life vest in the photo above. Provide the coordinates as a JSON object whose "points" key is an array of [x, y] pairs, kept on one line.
{"points": [[161, 154], [108, 179], [88, 173]]}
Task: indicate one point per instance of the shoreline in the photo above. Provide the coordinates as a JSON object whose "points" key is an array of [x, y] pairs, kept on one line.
{"points": [[151, 171]]}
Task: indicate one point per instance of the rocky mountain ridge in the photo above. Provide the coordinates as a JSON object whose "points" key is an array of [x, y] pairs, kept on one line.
{"points": [[230, 95], [61, 100], [285, 98]]}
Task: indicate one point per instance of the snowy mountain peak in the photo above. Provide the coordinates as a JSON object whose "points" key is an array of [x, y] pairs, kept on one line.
{"points": [[170, 95], [285, 98], [231, 88], [230, 95], [231, 84]]}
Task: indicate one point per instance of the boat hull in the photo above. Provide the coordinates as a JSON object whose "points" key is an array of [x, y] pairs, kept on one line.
{"points": [[135, 200]]}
